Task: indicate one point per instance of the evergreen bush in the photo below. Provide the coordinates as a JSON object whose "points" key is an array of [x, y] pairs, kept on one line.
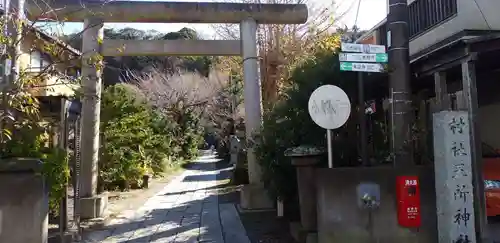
{"points": [[288, 124], [138, 140]]}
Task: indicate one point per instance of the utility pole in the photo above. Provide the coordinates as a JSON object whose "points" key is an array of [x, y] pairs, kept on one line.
{"points": [[362, 121], [361, 101], [400, 89], [361, 110], [13, 13]]}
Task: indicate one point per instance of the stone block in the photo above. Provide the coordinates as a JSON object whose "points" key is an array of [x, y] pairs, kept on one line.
{"points": [[312, 238], [255, 197], [341, 220], [234, 231], [94, 207], [297, 232], [23, 202]]}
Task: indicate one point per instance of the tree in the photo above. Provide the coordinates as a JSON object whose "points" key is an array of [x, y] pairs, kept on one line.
{"points": [[350, 35], [289, 125], [24, 132], [20, 106], [215, 100], [117, 67], [182, 34], [283, 47], [171, 93]]}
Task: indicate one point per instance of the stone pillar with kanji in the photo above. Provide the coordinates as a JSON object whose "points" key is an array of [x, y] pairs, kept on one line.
{"points": [[453, 172]]}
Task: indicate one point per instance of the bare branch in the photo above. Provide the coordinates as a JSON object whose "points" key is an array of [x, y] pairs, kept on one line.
{"points": [[283, 47], [208, 97]]}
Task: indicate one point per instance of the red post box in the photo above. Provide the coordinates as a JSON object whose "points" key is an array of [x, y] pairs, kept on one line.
{"points": [[408, 200]]}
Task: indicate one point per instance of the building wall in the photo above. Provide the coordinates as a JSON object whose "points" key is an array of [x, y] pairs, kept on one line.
{"points": [[52, 85], [469, 17], [371, 39], [340, 219], [489, 119]]}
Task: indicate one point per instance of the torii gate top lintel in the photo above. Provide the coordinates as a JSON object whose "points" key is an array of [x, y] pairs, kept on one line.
{"points": [[168, 12]]}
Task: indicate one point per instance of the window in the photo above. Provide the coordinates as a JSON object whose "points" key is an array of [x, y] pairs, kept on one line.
{"points": [[38, 62], [72, 72], [425, 14]]}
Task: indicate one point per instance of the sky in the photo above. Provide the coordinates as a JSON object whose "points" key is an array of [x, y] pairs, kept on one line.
{"points": [[371, 12]]}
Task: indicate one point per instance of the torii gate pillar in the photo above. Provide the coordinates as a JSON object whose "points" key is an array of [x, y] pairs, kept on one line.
{"points": [[253, 196], [92, 205]]}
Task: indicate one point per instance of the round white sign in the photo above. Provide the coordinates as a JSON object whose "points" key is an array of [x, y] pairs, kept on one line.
{"points": [[329, 107]]}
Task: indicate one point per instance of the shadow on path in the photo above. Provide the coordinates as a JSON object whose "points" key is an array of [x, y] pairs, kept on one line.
{"points": [[186, 210], [221, 186], [170, 224], [261, 227]]}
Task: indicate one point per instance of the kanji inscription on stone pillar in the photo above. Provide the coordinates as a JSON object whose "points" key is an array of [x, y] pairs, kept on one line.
{"points": [[453, 171]]}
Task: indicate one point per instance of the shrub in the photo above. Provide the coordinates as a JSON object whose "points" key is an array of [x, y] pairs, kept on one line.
{"points": [[29, 142], [139, 140], [288, 124], [56, 171], [125, 130]]}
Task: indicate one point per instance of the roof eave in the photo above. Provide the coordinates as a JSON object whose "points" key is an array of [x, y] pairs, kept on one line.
{"points": [[373, 29]]}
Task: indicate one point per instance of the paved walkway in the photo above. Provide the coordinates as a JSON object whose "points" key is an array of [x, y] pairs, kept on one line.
{"points": [[186, 210]]}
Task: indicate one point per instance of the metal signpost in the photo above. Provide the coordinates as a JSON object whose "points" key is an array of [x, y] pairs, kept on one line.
{"points": [[362, 58], [329, 107]]}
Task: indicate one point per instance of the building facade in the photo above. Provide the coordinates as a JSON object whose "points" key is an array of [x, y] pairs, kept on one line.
{"points": [[445, 34], [56, 64]]}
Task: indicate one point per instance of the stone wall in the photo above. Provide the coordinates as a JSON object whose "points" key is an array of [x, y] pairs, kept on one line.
{"points": [[340, 220], [23, 206]]}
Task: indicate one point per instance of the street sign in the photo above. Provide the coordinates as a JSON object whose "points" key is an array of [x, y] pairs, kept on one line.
{"points": [[329, 107], [362, 57], [361, 67], [362, 48]]}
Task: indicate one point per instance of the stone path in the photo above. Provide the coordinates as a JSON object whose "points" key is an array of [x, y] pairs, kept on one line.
{"points": [[186, 210]]}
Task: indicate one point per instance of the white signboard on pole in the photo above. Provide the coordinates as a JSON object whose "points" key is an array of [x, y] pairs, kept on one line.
{"points": [[329, 107], [362, 48], [454, 188]]}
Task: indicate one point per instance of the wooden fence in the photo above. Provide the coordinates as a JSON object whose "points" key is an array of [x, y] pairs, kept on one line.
{"points": [[423, 132]]}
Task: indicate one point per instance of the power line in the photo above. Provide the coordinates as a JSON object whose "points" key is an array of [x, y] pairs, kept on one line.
{"points": [[482, 13], [355, 27], [357, 14]]}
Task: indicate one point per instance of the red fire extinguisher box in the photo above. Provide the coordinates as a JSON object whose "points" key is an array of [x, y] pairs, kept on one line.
{"points": [[408, 201]]}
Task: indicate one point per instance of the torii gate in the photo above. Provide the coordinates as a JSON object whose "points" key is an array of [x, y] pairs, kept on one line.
{"points": [[95, 12]]}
